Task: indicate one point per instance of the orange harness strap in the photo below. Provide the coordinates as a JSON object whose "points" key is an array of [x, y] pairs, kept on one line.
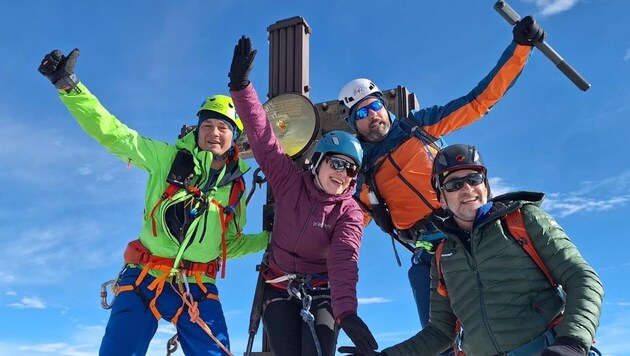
{"points": [[225, 220], [138, 254]]}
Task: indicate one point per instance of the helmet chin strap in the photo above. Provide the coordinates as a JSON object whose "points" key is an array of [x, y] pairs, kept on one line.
{"points": [[318, 183]]}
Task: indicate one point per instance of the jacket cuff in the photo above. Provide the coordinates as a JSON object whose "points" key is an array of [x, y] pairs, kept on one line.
{"points": [[342, 316]]}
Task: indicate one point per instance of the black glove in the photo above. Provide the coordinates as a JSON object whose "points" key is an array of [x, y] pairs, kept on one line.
{"points": [[564, 346], [353, 351], [527, 32], [242, 64], [360, 335], [59, 69]]}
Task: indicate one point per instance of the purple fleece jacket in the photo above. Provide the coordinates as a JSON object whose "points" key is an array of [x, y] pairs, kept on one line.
{"points": [[313, 231]]}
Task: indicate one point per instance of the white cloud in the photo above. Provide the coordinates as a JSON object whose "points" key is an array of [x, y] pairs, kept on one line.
{"points": [[593, 196], [499, 187], [62, 162], [613, 338], [29, 303], [6, 277], [552, 7], [565, 206], [82, 242], [62, 349], [373, 300], [627, 56]]}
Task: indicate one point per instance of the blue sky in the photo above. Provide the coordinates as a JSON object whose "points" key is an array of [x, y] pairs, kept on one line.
{"points": [[69, 208]]}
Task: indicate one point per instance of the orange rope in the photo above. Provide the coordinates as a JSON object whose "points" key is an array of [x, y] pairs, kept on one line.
{"points": [[193, 310]]}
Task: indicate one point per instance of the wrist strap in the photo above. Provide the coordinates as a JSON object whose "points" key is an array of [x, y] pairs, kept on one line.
{"points": [[67, 83]]}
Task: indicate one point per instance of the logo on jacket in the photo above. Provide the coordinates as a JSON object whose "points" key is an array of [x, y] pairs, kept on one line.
{"points": [[326, 227]]}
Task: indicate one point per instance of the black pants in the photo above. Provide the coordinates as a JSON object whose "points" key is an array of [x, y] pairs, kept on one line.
{"points": [[288, 333]]}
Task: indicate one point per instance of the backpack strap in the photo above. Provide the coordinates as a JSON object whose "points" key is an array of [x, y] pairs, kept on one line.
{"points": [[227, 214], [518, 231], [441, 288], [417, 131], [516, 227]]}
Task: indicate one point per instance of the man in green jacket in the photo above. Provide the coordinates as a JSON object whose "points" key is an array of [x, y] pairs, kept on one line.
{"points": [[193, 216], [489, 284]]}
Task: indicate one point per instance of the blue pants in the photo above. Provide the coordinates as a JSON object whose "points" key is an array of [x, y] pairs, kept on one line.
{"points": [[131, 324], [420, 280]]}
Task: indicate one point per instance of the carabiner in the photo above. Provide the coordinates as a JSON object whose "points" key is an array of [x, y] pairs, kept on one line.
{"points": [[104, 303]]}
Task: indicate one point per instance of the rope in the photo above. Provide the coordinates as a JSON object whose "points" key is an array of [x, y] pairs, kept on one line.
{"points": [[306, 314]]}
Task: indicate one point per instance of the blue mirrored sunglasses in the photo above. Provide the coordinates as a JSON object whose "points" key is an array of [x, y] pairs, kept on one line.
{"points": [[365, 111], [455, 184], [339, 164]]}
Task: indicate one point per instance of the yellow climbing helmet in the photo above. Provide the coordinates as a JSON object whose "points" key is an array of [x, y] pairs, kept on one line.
{"points": [[222, 108]]}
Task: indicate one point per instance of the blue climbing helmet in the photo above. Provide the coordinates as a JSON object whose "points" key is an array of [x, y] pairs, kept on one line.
{"points": [[337, 142]]}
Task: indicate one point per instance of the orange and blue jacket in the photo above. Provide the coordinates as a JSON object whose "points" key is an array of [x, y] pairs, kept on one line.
{"points": [[401, 163]]}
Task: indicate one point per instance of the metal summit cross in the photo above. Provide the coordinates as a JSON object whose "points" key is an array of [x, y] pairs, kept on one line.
{"points": [[289, 74]]}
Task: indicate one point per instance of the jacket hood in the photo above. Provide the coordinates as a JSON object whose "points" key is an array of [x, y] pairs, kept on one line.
{"points": [[234, 169], [502, 205]]}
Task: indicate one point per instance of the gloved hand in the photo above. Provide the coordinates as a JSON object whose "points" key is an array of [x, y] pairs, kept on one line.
{"points": [[527, 32], [59, 69], [564, 346], [360, 335], [242, 64], [353, 351]]}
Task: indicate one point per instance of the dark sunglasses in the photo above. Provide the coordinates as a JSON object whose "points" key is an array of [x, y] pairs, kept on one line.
{"points": [[365, 111], [339, 164], [455, 184]]}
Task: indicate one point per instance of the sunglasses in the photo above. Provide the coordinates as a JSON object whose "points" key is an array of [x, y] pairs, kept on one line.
{"points": [[339, 164], [455, 184], [365, 111]]}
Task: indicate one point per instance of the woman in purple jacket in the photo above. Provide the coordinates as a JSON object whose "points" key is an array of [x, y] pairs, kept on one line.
{"points": [[311, 269]]}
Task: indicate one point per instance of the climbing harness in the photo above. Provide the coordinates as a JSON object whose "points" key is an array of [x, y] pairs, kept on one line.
{"points": [[297, 288], [176, 271]]}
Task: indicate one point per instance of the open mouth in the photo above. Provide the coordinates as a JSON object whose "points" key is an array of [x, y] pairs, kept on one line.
{"points": [[336, 180], [470, 200]]}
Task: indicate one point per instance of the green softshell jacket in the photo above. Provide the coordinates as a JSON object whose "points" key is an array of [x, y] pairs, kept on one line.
{"points": [[203, 238], [499, 294]]}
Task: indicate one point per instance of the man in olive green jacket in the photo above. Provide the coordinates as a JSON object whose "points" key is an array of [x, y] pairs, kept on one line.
{"points": [[503, 300], [193, 216]]}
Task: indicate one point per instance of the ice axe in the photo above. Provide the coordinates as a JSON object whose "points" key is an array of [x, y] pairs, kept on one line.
{"points": [[512, 17]]}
